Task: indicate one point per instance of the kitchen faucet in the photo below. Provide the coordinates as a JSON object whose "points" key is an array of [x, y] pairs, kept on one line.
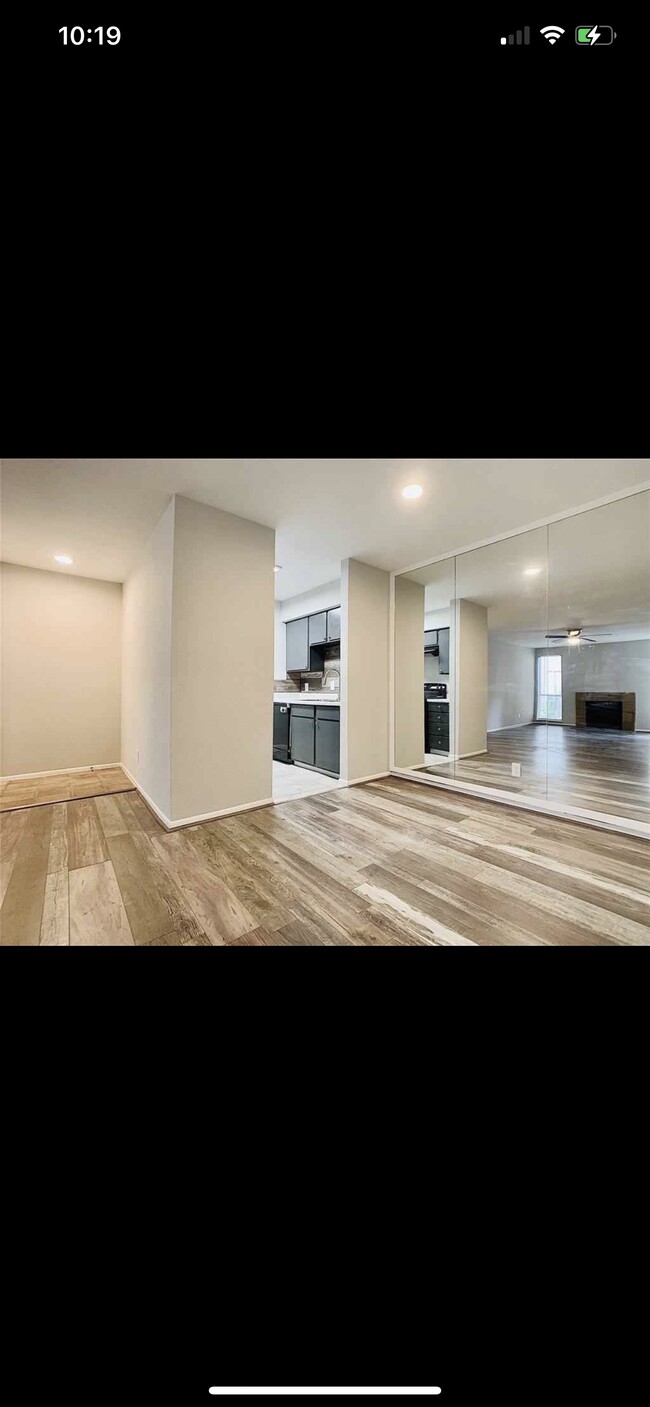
{"points": [[332, 671]]}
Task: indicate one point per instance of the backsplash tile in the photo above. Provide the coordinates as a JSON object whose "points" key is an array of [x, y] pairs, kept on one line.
{"points": [[296, 682]]}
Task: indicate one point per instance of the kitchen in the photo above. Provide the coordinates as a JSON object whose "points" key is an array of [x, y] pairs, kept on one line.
{"points": [[307, 694], [436, 686]]}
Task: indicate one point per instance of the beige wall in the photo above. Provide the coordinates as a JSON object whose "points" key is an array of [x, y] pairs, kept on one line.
{"points": [[222, 661], [60, 671], [472, 680], [365, 616], [147, 665], [409, 673]]}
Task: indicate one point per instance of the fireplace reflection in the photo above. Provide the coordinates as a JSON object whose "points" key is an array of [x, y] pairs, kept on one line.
{"points": [[604, 713]]}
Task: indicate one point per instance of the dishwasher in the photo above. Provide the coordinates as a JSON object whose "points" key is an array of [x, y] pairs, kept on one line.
{"points": [[281, 720]]}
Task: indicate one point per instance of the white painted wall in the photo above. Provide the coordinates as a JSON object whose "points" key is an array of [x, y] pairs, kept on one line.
{"points": [[437, 620], [365, 623], [622, 667], [511, 684], [409, 673], [222, 661], [472, 683], [60, 670], [147, 665], [322, 598]]}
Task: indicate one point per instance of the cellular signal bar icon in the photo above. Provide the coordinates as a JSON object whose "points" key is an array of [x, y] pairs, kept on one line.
{"points": [[511, 37]]}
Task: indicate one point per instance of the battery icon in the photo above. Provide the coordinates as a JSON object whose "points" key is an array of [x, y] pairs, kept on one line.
{"points": [[595, 34]]}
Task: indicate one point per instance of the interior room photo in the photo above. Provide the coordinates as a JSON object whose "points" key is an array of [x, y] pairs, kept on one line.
{"points": [[325, 702]]}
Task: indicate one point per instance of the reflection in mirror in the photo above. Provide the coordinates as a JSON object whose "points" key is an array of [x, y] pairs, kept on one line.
{"points": [[501, 612], [424, 667], [598, 659]]}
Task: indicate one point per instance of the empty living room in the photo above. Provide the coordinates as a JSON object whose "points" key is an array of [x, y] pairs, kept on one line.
{"points": [[325, 702]]}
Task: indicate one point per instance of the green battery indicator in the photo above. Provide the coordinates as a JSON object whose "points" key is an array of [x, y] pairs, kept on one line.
{"points": [[595, 34]]}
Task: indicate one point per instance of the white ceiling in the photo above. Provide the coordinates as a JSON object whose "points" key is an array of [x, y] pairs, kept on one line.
{"points": [[101, 511], [593, 572]]}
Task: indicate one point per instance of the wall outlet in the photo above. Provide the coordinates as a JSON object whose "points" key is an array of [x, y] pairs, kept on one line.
{"points": [[516, 769]]}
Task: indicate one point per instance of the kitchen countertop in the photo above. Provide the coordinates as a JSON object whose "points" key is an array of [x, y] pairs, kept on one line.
{"points": [[323, 700]]}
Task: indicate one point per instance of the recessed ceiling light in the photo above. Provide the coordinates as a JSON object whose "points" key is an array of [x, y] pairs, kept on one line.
{"points": [[413, 491], [532, 571], [65, 561]]}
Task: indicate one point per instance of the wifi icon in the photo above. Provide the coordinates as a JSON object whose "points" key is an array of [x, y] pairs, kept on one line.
{"points": [[552, 32]]}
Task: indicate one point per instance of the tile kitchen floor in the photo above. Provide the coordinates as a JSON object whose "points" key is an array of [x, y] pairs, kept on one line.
{"points": [[291, 782]]}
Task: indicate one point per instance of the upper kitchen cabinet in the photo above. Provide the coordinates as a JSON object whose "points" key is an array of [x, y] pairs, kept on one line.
{"points": [[298, 644], [334, 624], [307, 636], [443, 647], [318, 628]]}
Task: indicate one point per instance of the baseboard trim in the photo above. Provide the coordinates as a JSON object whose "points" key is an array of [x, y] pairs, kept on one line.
{"points": [[359, 781], [508, 727], [59, 771], [170, 825]]}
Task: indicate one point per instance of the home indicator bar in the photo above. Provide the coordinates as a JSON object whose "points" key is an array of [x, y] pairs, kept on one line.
{"points": [[325, 1391]]}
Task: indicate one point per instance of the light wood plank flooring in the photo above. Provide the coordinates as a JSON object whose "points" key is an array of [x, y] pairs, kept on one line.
{"points": [[62, 786], [594, 769], [387, 864]]}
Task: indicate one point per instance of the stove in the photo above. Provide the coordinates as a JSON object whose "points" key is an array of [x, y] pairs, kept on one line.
{"points": [[435, 691]]}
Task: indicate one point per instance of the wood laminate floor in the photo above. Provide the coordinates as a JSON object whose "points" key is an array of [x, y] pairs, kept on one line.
{"points": [[391, 863], [594, 769], [62, 786]]}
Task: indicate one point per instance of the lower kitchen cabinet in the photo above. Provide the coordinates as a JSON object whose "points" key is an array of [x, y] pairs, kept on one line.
{"points": [[315, 737], [328, 743], [303, 735]]}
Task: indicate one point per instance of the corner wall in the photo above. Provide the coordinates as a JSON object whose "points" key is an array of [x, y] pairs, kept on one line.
{"points": [[60, 671], [472, 678], [365, 623], [511, 684], [409, 673], [222, 661], [147, 664]]}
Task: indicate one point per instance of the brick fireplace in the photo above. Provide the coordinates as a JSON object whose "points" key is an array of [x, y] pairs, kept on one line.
{"points": [[627, 713]]}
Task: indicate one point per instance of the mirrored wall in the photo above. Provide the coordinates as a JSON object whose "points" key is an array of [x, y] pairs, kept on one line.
{"points": [[523, 667]]}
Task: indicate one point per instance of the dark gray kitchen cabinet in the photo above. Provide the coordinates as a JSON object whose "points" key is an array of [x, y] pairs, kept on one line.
{"points": [[298, 644], [443, 647], [318, 628], [327, 743], [436, 726], [303, 735], [334, 624]]}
